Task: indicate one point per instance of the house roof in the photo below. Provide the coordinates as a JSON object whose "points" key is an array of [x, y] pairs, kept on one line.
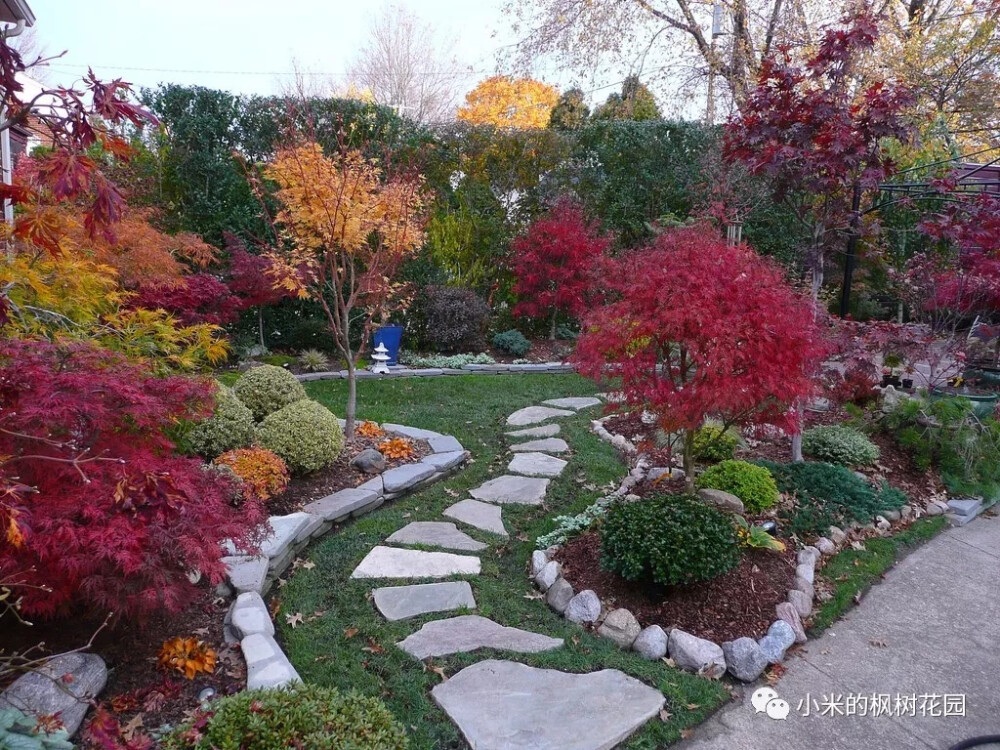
{"points": [[12, 11]]}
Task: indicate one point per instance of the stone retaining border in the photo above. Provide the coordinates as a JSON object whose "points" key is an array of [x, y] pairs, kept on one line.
{"points": [[248, 621], [433, 372], [744, 658]]}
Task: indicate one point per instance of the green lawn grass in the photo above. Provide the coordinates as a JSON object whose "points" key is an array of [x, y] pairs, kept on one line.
{"points": [[853, 572], [350, 646]]}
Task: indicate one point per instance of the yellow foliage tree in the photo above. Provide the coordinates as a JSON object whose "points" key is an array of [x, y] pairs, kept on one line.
{"points": [[506, 102], [347, 227]]}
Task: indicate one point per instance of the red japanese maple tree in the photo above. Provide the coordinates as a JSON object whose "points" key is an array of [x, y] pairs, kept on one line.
{"points": [[253, 279], [557, 262], [820, 141], [103, 514], [192, 299], [702, 329]]}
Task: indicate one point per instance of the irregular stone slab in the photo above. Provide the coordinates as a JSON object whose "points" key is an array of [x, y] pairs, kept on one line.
{"points": [[574, 402], [546, 430], [503, 705], [283, 532], [696, 654], [744, 659], [651, 643], [778, 640], [414, 433], [436, 534], [621, 627], [444, 461], [547, 445], [389, 562], [246, 573], [403, 477], [480, 515], [404, 602], [536, 465], [312, 528], [267, 665], [63, 687], [584, 607], [470, 632], [340, 505], [250, 616], [445, 444], [512, 489], [548, 575], [535, 414], [559, 595]]}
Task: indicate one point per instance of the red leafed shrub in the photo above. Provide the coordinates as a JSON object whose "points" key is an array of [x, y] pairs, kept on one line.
{"points": [[111, 518], [855, 386], [703, 329], [198, 298], [557, 263]]}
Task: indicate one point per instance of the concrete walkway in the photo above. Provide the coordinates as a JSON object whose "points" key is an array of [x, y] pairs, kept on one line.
{"points": [[931, 628]]}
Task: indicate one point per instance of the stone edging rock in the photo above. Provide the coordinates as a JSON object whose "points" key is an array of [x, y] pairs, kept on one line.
{"points": [[744, 658], [248, 621], [434, 372], [620, 442]]}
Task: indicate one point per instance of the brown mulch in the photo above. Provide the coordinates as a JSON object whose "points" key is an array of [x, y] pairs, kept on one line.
{"points": [[736, 604], [136, 687], [337, 476]]}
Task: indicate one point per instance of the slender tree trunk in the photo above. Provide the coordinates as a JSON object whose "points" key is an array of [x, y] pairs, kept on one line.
{"points": [[260, 326], [689, 459], [352, 398], [797, 437], [552, 327]]}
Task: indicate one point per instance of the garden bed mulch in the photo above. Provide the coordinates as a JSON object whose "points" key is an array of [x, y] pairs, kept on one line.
{"points": [[338, 476], [736, 604], [138, 694]]}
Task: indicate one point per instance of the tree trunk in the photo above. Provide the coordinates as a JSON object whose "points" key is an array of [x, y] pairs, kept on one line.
{"points": [[797, 437], [260, 326], [352, 398], [552, 327], [689, 459]]}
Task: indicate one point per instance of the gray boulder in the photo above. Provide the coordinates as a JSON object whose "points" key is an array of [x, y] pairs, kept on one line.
{"points": [[696, 654], [538, 561], [786, 611], [722, 500], [621, 627], [584, 607], [63, 686], [778, 640], [548, 575], [825, 546], [802, 602], [559, 595], [744, 659], [651, 643], [370, 461]]}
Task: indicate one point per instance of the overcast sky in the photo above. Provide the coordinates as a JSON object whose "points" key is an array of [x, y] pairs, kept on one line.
{"points": [[240, 45]]}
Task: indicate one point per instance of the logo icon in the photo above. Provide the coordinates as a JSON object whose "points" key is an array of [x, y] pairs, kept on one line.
{"points": [[766, 700]]}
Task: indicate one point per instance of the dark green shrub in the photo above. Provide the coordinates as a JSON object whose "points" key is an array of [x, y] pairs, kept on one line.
{"points": [[267, 388], [301, 716], [229, 427], [754, 485], [451, 319], [513, 342], [669, 540], [305, 434], [837, 444], [713, 443], [828, 495]]}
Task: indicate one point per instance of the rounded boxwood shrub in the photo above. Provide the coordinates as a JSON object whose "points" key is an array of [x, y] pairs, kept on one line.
{"points": [[305, 434], [754, 485], [300, 716], [229, 427], [713, 443], [837, 444], [669, 540], [267, 388], [513, 342]]}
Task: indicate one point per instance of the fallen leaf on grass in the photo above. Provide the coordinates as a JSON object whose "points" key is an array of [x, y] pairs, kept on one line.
{"points": [[373, 647], [294, 620], [450, 493], [439, 671], [350, 633], [304, 564], [275, 607], [665, 715], [686, 733], [534, 595]]}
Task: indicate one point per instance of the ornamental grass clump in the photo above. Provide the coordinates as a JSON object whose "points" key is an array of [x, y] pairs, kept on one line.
{"points": [[754, 485], [305, 434], [668, 540], [229, 427], [266, 389], [300, 716], [837, 444]]}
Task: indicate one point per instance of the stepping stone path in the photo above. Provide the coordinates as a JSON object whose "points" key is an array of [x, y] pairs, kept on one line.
{"points": [[404, 602], [436, 534], [470, 632], [497, 705]]}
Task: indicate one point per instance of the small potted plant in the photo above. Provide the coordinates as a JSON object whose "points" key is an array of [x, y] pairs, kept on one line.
{"points": [[890, 378]]}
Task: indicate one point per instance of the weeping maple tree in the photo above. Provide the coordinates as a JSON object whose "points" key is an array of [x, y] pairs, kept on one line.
{"points": [[252, 279], [347, 227], [701, 329], [557, 263]]}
